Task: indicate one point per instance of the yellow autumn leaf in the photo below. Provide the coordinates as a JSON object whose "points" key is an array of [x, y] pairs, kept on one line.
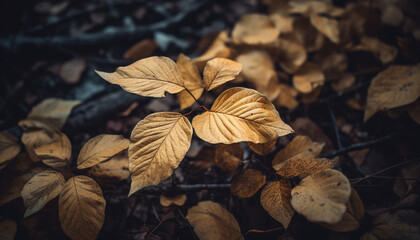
{"points": [[228, 156], [218, 71], [275, 199], [56, 154], [247, 182], [355, 211], [212, 221], [308, 78], [7, 229], [149, 77], [40, 189], [303, 166], [159, 142], [217, 49], [81, 208], [112, 171], [394, 87], [322, 197], [33, 139], [50, 114], [291, 53], [9, 148], [240, 114], [255, 29], [177, 200], [192, 81], [100, 148], [262, 148], [287, 97], [300, 146]]}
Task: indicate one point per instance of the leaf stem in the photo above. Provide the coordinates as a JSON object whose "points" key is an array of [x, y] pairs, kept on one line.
{"points": [[193, 96]]}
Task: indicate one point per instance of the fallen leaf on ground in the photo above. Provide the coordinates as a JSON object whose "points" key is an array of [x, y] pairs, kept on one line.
{"points": [[72, 70], [287, 97], [9, 148], [322, 197], [217, 49], [382, 51], [255, 29], [262, 148], [343, 83], [177, 200], [275, 199], [305, 126], [327, 26], [292, 54], [140, 50], [56, 154], [409, 173], [228, 156], [297, 166], [308, 78], [36, 138], [247, 182], [212, 221]]}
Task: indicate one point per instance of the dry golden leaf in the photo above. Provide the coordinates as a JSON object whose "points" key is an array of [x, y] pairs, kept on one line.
{"points": [[228, 156], [307, 35], [177, 200], [112, 171], [159, 142], [382, 51], [72, 70], [212, 221], [255, 29], [56, 154], [311, 97], [308, 78], [354, 214], [275, 199], [100, 148], [299, 145], [36, 138], [343, 83], [258, 69], [192, 81], [219, 71], [400, 224], [247, 182], [327, 26], [297, 166], [262, 148], [81, 208], [306, 127], [142, 49], [40, 189], [15, 176], [50, 114], [322, 197], [308, 8], [240, 114], [217, 49], [396, 86], [149, 77], [287, 97], [282, 22], [7, 229], [291, 53], [414, 111], [9, 148]]}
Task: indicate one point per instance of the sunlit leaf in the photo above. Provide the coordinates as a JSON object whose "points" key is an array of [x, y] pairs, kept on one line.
{"points": [[192, 81], [159, 142], [81, 208], [219, 71], [240, 114]]}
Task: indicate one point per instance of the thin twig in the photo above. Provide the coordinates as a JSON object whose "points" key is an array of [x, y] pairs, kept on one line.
{"points": [[187, 222], [262, 231], [336, 130], [160, 223]]}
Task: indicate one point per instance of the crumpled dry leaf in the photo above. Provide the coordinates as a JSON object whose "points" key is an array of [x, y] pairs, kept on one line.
{"points": [[400, 224], [72, 70], [212, 221], [159, 142], [275, 199], [140, 50], [177, 200], [291, 53], [81, 208], [100, 148], [56, 154], [327, 26], [382, 51], [300, 146], [240, 114], [149, 77], [287, 97], [297, 166], [355, 211], [228, 156], [40, 189], [35, 138], [218, 71], [262, 148], [192, 81], [396, 86], [308, 78], [247, 182], [7, 229], [9, 148], [112, 171], [217, 49], [282, 22], [255, 29], [322, 197], [50, 114], [310, 7]]}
